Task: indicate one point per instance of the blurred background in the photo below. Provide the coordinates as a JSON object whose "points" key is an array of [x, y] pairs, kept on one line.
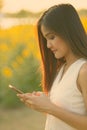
{"points": [[20, 58]]}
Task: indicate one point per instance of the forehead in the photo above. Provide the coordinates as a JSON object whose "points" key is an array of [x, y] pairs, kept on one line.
{"points": [[45, 30]]}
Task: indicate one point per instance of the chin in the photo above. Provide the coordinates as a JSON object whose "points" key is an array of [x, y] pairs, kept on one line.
{"points": [[58, 57]]}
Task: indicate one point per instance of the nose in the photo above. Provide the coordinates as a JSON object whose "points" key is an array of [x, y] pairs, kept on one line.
{"points": [[49, 44]]}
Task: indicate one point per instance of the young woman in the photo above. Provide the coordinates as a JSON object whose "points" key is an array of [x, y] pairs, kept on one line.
{"points": [[63, 46]]}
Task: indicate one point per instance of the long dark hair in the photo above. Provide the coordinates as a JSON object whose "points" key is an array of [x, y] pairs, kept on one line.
{"points": [[64, 20]]}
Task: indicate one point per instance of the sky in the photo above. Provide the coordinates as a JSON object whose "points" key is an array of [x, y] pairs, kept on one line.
{"points": [[38, 5]]}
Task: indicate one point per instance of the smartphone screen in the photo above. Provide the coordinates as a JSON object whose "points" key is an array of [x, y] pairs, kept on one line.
{"points": [[15, 89]]}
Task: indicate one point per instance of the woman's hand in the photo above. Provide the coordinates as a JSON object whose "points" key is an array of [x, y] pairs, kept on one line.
{"points": [[36, 100]]}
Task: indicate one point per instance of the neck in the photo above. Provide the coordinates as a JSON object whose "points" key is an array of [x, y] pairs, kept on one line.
{"points": [[71, 59]]}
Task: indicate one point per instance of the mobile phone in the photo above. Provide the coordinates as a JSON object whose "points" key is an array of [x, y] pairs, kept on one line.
{"points": [[16, 89]]}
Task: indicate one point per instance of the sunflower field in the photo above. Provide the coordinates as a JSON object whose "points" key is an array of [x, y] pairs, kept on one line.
{"points": [[20, 62]]}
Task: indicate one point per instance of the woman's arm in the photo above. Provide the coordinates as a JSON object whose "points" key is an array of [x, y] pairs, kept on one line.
{"points": [[73, 119], [42, 103]]}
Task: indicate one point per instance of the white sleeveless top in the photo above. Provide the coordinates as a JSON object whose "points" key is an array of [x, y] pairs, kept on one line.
{"points": [[66, 94]]}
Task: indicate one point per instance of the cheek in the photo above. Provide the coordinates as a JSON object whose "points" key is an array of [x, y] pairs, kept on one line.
{"points": [[61, 45], [65, 51], [62, 49]]}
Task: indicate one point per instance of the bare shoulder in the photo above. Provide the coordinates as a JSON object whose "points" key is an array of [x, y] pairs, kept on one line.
{"points": [[82, 78], [83, 71], [82, 81]]}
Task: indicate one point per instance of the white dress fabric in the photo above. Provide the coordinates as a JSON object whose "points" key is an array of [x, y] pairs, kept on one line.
{"points": [[66, 94]]}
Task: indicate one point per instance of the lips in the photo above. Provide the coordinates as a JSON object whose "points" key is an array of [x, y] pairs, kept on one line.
{"points": [[53, 51]]}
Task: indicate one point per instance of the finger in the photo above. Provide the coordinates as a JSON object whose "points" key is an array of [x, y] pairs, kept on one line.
{"points": [[23, 96], [33, 92], [19, 95], [38, 93], [28, 94], [22, 100], [29, 102], [29, 105]]}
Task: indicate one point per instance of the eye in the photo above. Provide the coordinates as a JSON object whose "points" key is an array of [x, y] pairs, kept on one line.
{"points": [[51, 37]]}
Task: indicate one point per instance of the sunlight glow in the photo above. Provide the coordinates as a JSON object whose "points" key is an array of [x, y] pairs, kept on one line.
{"points": [[38, 5]]}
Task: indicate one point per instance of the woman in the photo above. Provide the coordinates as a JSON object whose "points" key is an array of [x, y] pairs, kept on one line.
{"points": [[63, 46]]}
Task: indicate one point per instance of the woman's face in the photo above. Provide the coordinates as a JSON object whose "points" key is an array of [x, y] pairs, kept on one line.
{"points": [[56, 44]]}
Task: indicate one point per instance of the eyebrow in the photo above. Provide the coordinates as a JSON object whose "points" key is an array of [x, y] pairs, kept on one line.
{"points": [[49, 33]]}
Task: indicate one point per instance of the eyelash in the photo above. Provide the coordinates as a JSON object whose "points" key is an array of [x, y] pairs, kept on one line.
{"points": [[51, 37]]}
